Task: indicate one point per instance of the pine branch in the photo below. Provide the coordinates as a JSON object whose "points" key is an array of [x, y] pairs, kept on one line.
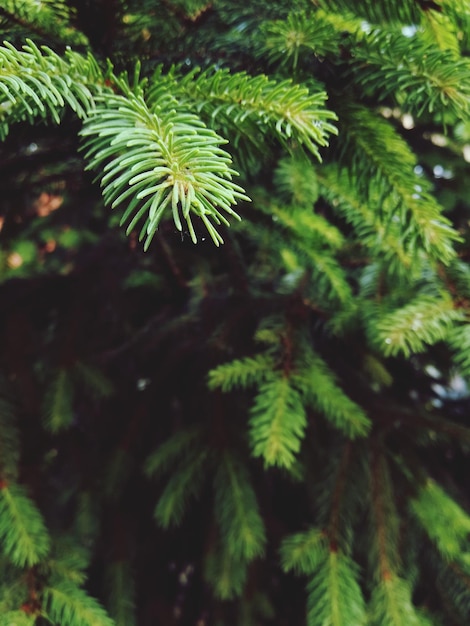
{"points": [[24, 538], [239, 101], [236, 510], [184, 169]]}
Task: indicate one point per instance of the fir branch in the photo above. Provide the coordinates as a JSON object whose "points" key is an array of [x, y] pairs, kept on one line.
{"points": [[277, 422], [410, 329], [191, 182], [321, 391], [420, 76], [58, 402], [385, 238], [402, 12], [236, 510], [67, 604], [68, 562], [298, 35], [391, 604], [17, 618], [24, 538], [121, 593], [449, 530], [296, 180], [285, 110], [459, 340], [241, 372], [168, 453], [225, 573], [334, 595], [38, 83], [303, 552], [390, 173], [184, 485]]}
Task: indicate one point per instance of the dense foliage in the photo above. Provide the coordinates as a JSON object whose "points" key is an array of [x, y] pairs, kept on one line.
{"points": [[249, 406]]}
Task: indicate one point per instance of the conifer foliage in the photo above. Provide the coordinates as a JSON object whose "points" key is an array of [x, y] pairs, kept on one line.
{"points": [[273, 429]]}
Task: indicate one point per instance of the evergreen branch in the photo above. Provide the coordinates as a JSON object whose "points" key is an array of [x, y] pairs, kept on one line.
{"points": [[296, 180], [39, 83], [418, 74], [299, 34], [459, 341], [383, 237], [277, 423], [168, 453], [121, 593], [48, 20], [67, 604], [285, 110], [304, 552], [307, 228], [390, 173], [334, 595], [93, 379], [58, 402], [185, 484], [449, 530], [225, 573], [23, 535], [384, 517], [236, 510], [402, 12], [241, 373], [391, 604], [410, 329], [68, 562], [184, 169], [17, 618], [318, 384]]}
